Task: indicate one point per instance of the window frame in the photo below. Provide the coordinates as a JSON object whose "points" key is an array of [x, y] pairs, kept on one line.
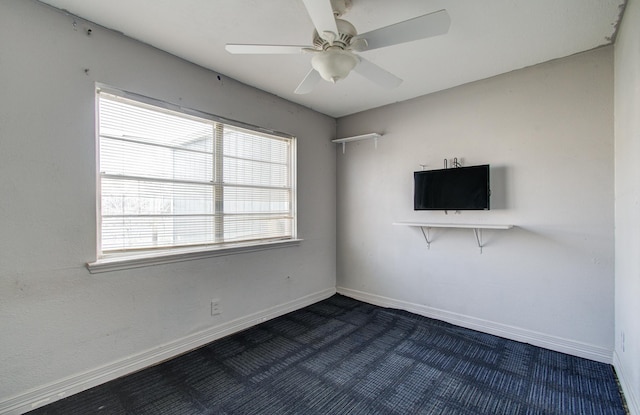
{"points": [[140, 258]]}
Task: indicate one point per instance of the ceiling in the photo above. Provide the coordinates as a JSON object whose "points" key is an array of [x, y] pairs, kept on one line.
{"points": [[486, 38]]}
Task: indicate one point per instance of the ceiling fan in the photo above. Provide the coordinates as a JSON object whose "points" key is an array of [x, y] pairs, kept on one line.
{"points": [[335, 40]]}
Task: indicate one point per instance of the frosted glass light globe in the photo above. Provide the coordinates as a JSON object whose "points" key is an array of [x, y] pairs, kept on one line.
{"points": [[334, 63]]}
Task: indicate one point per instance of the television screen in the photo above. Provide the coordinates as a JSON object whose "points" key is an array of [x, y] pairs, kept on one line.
{"points": [[458, 188]]}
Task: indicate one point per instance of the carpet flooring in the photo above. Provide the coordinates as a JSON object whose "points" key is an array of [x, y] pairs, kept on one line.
{"points": [[342, 356]]}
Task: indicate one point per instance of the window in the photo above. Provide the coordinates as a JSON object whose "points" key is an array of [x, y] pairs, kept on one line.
{"points": [[171, 178]]}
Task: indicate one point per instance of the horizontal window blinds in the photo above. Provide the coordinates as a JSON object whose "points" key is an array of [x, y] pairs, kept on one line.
{"points": [[171, 179]]}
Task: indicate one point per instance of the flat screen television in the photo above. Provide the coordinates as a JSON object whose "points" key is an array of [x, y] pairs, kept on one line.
{"points": [[457, 188]]}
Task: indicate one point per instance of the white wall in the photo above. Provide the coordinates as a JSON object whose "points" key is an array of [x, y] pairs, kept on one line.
{"points": [[547, 132], [627, 205], [61, 326]]}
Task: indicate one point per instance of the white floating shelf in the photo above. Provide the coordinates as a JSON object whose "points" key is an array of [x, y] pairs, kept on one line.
{"points": [[477, 229], [454, 225], [370, 136]]}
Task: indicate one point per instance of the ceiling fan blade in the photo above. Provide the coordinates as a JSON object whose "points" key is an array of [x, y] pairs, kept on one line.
{"points": [[376, 74], [321, 13], [264, 49], [308, 83], [432, 24]]}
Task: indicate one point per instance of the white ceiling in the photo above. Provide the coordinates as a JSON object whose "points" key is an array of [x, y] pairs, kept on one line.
{"points": [[486, 38]]}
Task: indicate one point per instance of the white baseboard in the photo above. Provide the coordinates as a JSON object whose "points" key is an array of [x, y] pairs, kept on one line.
{"points": [[559, 344], [633, 400], [52, 392]]}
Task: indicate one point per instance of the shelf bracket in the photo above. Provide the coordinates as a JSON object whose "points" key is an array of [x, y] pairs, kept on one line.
{"points": [[426, 235], [478, 233]]}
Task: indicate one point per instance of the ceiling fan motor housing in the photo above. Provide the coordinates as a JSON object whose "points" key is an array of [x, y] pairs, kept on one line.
{"points": [[346, 31]]}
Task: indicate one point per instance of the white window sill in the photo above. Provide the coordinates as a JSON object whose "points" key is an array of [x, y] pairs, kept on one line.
{"points": [[117, 262]]}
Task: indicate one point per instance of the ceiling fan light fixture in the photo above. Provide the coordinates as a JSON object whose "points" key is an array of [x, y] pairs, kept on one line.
{"points": [[334, 63], [335, 40]]}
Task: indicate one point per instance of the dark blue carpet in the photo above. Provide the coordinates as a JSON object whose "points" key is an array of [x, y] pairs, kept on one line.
{"points": [[342, 356]]}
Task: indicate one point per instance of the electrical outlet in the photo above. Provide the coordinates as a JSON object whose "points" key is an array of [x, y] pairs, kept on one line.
{"points": [[216, 308]]}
